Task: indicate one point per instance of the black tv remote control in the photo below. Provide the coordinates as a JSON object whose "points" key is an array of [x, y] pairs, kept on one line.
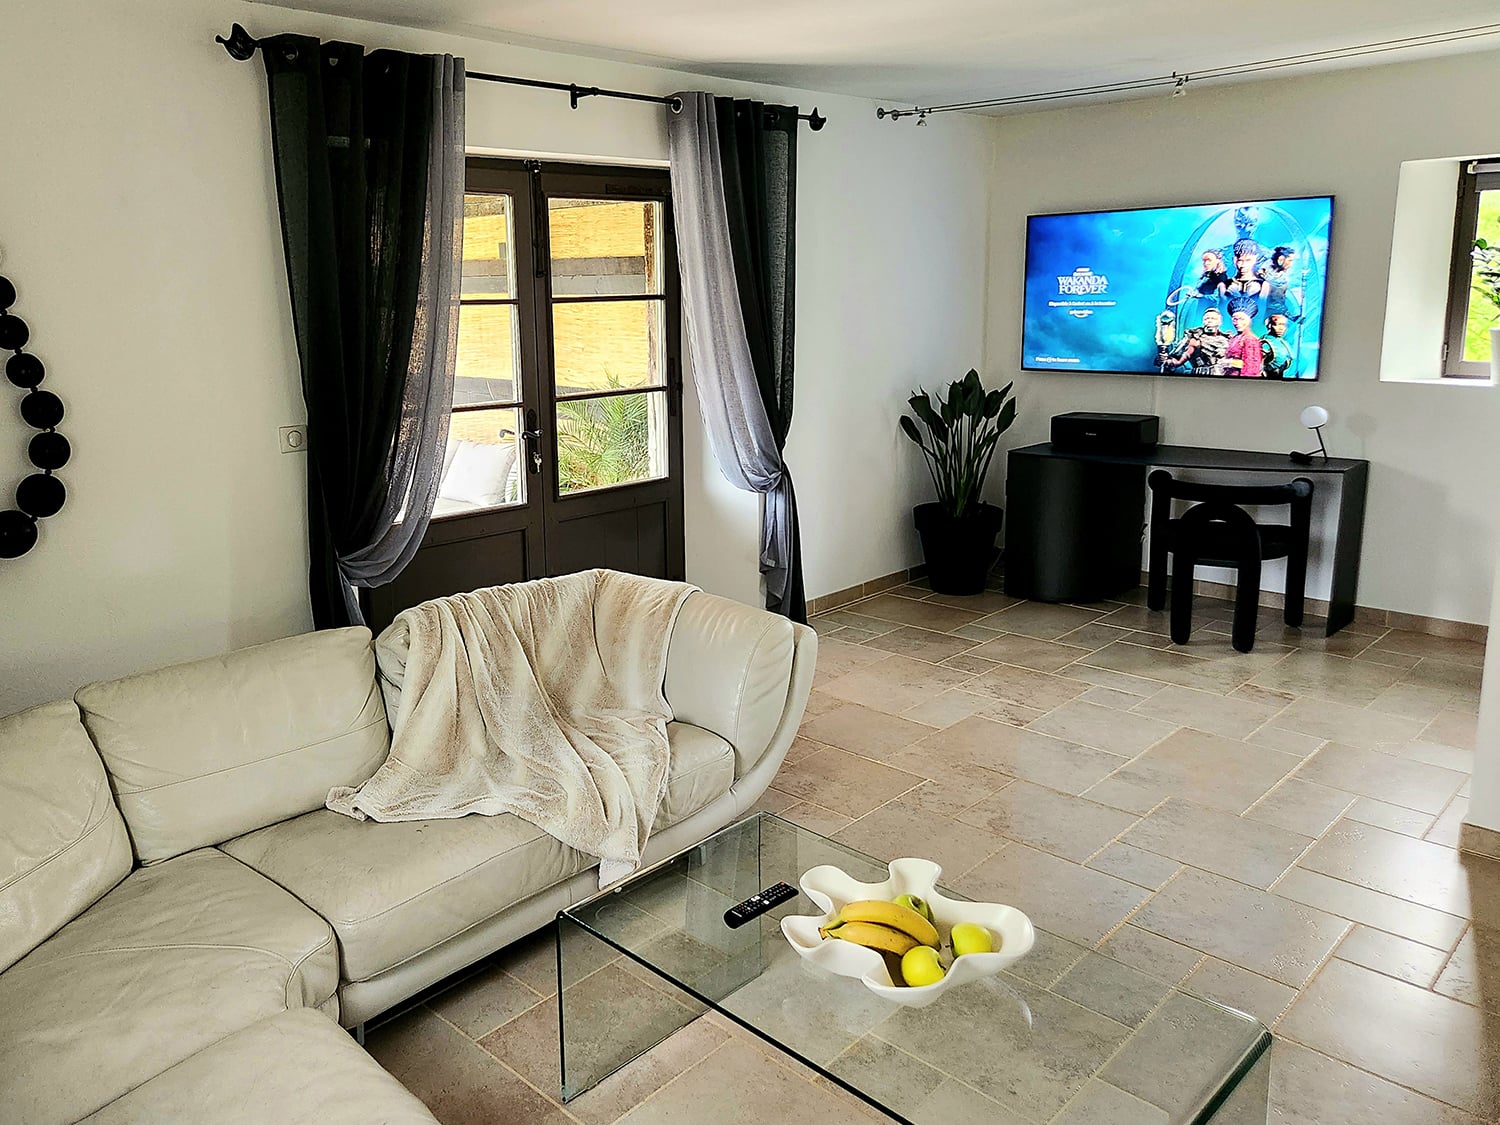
{"points": [[758, 904]]}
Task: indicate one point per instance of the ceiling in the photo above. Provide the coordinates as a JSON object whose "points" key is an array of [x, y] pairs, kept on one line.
{"points": [[907, 51]]}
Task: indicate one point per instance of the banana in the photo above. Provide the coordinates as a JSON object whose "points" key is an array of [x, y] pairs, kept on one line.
{"points": [[882, 939], [891, 914]]}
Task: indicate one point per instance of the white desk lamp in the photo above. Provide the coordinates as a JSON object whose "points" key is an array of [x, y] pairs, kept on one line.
{"points": [[1314, 418]]}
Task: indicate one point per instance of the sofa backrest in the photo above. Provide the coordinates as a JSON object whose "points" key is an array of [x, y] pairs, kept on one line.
{"points": [[728, 670], [203, 752], [62, 842]]}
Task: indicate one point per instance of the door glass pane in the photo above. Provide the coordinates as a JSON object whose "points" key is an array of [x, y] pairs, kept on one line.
{"points": [[483, 466], [603, 247], [485, 369], [613, 440], [1484, 313], [489, 258], [607, 345]]}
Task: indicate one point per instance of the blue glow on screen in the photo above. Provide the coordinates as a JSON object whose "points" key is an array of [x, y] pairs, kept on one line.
{"points": [[1137, 292]]}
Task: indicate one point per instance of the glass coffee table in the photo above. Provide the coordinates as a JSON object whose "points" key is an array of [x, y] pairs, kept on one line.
{"points": [[1066, 1035]]}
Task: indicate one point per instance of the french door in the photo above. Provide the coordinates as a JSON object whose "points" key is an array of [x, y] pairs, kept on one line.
{"points": [[565, 444]]}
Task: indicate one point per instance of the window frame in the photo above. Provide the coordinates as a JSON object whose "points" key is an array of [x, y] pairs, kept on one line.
{"points": [[1474, 178]]}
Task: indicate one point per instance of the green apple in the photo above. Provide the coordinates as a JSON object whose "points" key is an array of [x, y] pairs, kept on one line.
{"points": [[919, 905], [920, 966], [968, 937]]}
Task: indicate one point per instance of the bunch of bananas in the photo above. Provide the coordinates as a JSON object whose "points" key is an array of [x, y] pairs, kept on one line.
{"points": [[892, 929]]}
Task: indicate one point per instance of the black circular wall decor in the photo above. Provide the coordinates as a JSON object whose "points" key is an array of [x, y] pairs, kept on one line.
{"points": [[41, 494]]}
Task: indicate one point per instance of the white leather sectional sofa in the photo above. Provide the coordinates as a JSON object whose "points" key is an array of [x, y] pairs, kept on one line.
{"points": [[184, 926]]}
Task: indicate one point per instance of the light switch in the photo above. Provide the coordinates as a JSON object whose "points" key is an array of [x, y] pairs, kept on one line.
{"points": [[293, 439]]}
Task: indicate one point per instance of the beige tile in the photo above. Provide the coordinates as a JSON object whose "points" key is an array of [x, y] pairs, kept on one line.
{"points": [[801, 748], [899, 829], [1423, 702], [1218, 675], [1427, 874], [1453, 728], [1112, 988], [890, 1075], [1409, 822], [1099, 1103], [482, 1003], [864, 731], [815, 818], [1394, 956], [923, 614], [1217, 772], [1318, 675], [1447, 829], [1253, 693], [818, 702], [1206, 711], [949, 707], [1246, 927], [533, 959], [975, 633], [733, 1078], [894, 683], [1301, 806], [1054, 822], [1011, 713], [1114, 681], [1426, 645], [1029, 652], [1397, 781], [835, 659], [991, 601], [1025, 687], [1071, 901], [1287, 741], [984, 745], [1308, 1088], [1039, 619], [1473, 975], [846, 618], [1111, 698], [1434, 754], [1152, 953], [1246, 850], [843, 782], [946, 799], [1371, 908], [1093, 636], [773, 801], [973, 665], [920, 644], [1460, 679], [1144, 869], [1240, 989], [1353, 726], [1104, 728], [460, 1082], [1432, 1044]]}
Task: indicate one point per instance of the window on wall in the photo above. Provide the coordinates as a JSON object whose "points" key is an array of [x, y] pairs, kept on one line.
{"points": [[1474, 282]]}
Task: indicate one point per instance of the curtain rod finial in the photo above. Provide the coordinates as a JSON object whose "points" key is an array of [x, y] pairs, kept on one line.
{"points": [[241, 44], [816, 121]]}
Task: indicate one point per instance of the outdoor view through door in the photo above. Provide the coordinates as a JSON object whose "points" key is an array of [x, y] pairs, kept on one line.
{"points": [[565, 448]]}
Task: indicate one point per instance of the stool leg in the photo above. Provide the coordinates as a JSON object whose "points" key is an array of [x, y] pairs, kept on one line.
{"points": [[1246, 604], [1183, 566]]}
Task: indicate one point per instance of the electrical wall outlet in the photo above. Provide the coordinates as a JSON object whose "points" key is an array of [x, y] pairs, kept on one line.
{"points": [[293, 439]]}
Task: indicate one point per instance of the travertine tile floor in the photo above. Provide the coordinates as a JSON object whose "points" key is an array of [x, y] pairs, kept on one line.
{"points": [[1276, 829]]}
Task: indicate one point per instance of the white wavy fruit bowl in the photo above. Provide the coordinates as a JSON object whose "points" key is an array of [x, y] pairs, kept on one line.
{"points": [[831, 889]]}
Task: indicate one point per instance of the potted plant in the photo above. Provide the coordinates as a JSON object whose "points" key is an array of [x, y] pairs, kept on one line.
{"points": [[958, 437], [1487, 285]]}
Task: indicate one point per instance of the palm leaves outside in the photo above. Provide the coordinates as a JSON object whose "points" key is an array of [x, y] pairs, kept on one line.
{"points": [[603, 441], [958, 438]]}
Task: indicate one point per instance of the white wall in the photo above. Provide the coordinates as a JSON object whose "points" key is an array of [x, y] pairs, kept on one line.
{"points": [[138, 219], [1430, 531]]}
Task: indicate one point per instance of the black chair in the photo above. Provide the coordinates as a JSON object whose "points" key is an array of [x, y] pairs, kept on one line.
{"points": [[1216, 531]]}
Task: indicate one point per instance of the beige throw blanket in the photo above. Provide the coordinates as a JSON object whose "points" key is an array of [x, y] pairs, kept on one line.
{"points": [[542, 699]]}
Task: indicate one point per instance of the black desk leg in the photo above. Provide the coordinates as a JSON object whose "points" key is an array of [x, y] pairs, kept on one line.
{"points": [[1346, 547]]}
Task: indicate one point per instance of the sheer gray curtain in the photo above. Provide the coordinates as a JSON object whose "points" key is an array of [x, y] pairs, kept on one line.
{"points": [[734, 212], [426, 402]]}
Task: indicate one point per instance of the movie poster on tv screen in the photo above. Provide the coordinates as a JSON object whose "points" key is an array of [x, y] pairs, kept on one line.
{"points": [[1228, 290]]}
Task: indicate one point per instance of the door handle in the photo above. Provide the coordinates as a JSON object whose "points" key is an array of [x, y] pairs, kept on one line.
{"points": [[532, 436]]}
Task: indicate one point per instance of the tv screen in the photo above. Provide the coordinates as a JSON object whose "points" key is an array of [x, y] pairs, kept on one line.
{"points": [[1220, 290]]}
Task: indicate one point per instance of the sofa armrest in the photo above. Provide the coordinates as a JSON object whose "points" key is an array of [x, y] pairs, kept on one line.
{"points": [[740, 672]]}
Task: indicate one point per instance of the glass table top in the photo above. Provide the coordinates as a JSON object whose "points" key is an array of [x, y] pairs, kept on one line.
{"points": [[1066, 1035]]}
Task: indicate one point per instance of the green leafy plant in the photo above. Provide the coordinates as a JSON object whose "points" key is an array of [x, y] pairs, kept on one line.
{"points": [[1487, 273], [603, 441], [958, 438]]}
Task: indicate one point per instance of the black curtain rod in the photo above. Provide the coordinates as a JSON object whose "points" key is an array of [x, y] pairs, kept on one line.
{"points": [[241, 45]]}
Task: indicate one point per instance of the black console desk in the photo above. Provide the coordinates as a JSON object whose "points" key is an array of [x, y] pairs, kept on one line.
{"points": [[1076, 520]]}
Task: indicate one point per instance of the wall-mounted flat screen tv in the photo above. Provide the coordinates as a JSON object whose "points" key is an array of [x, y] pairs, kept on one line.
{"points": [[1219, 290]]}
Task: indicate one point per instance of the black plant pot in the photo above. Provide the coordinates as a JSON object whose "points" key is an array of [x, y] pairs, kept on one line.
{"points": [[959, 552]]}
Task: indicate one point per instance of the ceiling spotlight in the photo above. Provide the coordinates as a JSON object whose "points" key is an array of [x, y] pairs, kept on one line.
{"points": [[922, 117]]}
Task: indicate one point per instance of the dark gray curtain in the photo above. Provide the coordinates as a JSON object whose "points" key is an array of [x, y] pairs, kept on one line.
{"points": [[734, 193], [369, 174]]}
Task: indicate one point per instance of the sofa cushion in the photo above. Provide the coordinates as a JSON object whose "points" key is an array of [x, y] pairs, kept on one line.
{"points": [[203, 752], [392, 891], [62, 842], [297, 1066], [175, 958]]}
